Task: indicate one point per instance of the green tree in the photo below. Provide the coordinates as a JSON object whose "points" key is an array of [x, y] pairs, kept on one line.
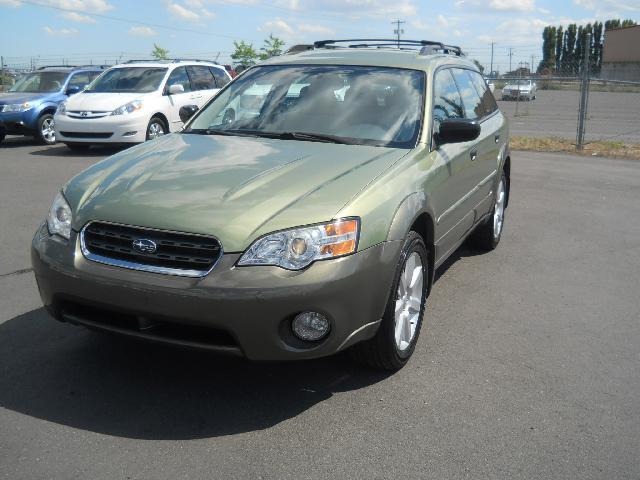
{"points": [[244, 54], [273, 46], [548, 62], [559, 47], [160, 53], [569, 49]]}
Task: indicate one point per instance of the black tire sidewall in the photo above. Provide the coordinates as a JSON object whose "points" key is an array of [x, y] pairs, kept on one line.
{"points": [[156, 120], [413, 243], [39, 136]]}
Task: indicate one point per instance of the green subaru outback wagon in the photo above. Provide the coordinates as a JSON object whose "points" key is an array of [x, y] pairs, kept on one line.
{"points": [[301, 212]]}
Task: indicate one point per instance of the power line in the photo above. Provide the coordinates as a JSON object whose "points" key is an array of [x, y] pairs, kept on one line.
{"points": [[398, 31]]}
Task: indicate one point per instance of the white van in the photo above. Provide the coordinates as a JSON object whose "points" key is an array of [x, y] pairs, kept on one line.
{"points": [[136, 101]]}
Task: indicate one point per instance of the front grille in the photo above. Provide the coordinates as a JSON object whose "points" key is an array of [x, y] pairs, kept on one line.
{"points": [[87, 134], [82, 115], [173, 253]]}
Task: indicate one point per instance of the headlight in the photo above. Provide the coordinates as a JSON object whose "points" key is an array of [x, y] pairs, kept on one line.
{"points": [[128, 108], [62, 108], [21, 107], [59, 218], [297, 248]]}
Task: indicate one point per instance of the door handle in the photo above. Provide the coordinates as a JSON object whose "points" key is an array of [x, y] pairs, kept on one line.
{"points": [[497, 138], [473, 155]]}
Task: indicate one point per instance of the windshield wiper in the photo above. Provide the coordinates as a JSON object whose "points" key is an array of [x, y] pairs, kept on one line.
{"points": [[218, 131], [311, 137]]}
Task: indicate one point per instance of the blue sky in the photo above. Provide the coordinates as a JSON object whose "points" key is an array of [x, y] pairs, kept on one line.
{"points": [[108, 30]]}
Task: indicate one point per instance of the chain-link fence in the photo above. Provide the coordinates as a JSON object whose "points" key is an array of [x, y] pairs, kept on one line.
{"points": [[607, 101]]}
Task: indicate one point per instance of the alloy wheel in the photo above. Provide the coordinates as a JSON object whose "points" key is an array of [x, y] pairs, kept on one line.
{"points": [[155, 130], [498, 213], [48, 130], [409, 301]]}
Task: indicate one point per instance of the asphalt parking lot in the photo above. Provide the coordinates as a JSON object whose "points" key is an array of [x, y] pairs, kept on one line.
{"points": [[612, 116], [528, 367]]}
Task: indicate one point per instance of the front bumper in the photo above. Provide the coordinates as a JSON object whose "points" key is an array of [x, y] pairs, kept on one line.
{"points": [[250, 308], [17, 123], [108, 129]]}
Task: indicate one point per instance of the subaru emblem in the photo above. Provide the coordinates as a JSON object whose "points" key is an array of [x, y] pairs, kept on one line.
{"points": [[144, 245]]}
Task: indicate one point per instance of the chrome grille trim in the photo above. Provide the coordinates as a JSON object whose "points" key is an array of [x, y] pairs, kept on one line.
{"points": [[115, 262]]}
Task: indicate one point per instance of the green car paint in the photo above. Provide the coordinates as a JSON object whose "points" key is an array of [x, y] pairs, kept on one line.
{"points": [[240, 188]]}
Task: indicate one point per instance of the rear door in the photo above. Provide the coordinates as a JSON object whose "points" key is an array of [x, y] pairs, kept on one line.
{"points": [[176, 101], [203, 83]]}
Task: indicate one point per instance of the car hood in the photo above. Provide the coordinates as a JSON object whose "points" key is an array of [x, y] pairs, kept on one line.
{"points": [[101, 102], [20, 97], [235, 188], [517, 87]]}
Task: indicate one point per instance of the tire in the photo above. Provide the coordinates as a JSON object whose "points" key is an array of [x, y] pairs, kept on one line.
{"points": [[392, 347], [45, 133], [487, 235], [2, 135], [156, 128], [78, 147]]}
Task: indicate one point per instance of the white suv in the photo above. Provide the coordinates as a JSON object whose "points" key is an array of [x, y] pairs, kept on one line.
{"points": [[136, 101]]}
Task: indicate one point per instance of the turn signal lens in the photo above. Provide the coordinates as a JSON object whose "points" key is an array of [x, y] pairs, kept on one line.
{"points": [[343, 235]]}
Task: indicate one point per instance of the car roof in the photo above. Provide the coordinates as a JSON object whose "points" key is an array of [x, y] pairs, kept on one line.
{"points": [[69, 69], [166, 63], [379, 57]]}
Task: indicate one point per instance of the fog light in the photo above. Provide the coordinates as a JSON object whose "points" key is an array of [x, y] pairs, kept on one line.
{"points": [[310, 326], [129, 134]]}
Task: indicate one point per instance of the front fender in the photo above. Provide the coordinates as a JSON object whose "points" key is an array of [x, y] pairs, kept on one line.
{"points": [[31, 120]]}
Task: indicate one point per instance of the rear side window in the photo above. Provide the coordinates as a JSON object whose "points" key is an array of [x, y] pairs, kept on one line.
{"points": [[179, 76], [201, 77], [488, 100], [221, 77], [447, 103], [472, 102], [81, 80]]}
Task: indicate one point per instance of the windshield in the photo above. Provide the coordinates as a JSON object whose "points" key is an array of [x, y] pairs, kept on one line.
{"points": [[343, 104], [128, 80], [40, 82], [525, 83]]}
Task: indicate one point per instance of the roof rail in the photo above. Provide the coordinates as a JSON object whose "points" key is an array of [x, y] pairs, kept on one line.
{"points": [[57, 66], [303, 47], [174, 60], [429, 47]]}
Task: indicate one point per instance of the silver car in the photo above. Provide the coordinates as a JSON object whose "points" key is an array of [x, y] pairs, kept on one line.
{"points": [[520, 90]]}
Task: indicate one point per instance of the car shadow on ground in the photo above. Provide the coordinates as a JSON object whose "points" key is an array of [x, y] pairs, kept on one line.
{"points": [[127, 388], [121, 387]]}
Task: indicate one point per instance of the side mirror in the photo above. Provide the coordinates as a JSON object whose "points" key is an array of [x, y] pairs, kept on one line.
{"points": [[457, 130], [187, 112], [176, 88], [73, 90]]}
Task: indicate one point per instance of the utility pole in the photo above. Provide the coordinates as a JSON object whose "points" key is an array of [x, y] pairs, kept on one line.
{"points": [[1, 73], [533, 57], [510, 59], [491, 69], [398, 31], [584, 96]]}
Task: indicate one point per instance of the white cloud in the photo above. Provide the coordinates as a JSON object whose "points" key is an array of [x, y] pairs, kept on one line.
{"points": [[277, 26], [78, 17], [314, 28], [600, 5], [10, 3], [194, 13], [142, 31], [62, 32], [442, 21], [512, 5], [95, 6]]}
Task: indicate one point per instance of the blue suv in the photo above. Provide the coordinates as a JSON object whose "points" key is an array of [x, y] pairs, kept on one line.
{"points": [[28, 107]]}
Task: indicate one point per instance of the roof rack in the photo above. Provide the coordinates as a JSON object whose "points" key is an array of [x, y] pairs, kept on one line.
{"points": [[57, 66], [428, 47], [175, 60]]}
